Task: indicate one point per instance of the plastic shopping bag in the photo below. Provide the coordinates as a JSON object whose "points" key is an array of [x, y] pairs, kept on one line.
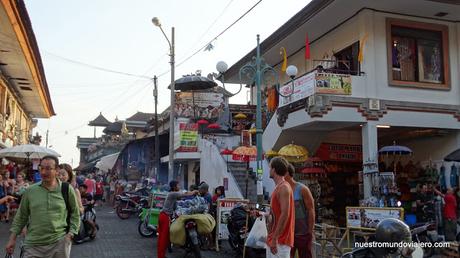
{"points": [[258, 235]]}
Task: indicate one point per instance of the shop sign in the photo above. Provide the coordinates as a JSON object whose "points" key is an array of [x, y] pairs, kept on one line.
{"points": [[224, 206], [187, 140], [329, 83], [340, 152], [206, 105], [303, 87], [369, 217]]}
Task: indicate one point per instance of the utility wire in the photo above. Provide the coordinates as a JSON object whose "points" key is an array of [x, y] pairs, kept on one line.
{"points": [[210, 26], [218, 35], [96, 67]]}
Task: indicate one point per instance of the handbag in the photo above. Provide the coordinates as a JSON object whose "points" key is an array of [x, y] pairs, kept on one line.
{"points": [[257, 237]]}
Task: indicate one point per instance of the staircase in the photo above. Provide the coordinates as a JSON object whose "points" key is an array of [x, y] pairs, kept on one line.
{"points": [[238, 169]]}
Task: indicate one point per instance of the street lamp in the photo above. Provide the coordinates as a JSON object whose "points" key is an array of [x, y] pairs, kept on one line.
{"points": [[157, 23], [255, 71]]}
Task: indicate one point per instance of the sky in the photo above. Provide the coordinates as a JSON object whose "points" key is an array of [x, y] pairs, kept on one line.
{"points": [[119, 35]]}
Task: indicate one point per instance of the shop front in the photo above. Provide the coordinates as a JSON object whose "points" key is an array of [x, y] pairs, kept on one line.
{"points": [[356, 162]]}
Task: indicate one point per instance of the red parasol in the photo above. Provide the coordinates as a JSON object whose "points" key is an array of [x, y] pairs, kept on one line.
{"points": [[244, 153], [214, 126], [202, 122], [226, 152]]}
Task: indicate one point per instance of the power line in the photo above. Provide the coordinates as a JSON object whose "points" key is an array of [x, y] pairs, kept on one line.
{"points": [[212, 25], [96, 67], [220, 34]]}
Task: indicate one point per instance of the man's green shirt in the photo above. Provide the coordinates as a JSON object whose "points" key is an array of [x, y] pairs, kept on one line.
{"points": [[44, 213]]}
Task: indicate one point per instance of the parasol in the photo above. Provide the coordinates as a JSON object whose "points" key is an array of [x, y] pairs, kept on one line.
{"points": [[240, 116], [246, 154], [226, 152], [28, 151], [214, 126], [202, 122], [193, 82], [294, 153], [271, 153], [395, 150]]}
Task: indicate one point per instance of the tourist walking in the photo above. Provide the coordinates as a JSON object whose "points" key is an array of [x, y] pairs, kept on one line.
{"points": [[280, 237], [304, 217], [51, 220]]}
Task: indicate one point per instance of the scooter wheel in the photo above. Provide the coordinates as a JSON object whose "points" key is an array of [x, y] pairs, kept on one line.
{"points": [[144, 230]]}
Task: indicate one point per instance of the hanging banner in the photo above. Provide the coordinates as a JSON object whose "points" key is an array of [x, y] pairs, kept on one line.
{"points": [[369, 217], [340, 152], [303, 87], [187, 137], [330, 83], [205, 105]]}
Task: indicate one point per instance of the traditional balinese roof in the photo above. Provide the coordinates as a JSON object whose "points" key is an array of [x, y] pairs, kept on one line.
{"points": [[84, 142], [114, 128], [141, 117], [100, 120]]}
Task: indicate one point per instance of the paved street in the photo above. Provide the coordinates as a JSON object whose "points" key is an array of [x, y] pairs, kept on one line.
{"points": [[116, 238]]}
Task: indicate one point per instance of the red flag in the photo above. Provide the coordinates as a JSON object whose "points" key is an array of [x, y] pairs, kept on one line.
{"points": [[307, 47]]}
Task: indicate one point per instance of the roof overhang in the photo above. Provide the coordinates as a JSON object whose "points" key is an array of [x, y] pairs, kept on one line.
{"points": [[23, 69], [320, 17]]}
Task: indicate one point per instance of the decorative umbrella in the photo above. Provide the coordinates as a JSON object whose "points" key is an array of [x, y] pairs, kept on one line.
{"points": [[271, 153], [202, 122], [193, 82], [294, 153], [226, 152], [453, 156], [240, 116], [246, 154], [27, 151], [395, 150], [214, 126]]}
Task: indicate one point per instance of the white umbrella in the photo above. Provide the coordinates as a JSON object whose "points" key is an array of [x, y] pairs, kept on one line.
{"points": [[27, 151]]}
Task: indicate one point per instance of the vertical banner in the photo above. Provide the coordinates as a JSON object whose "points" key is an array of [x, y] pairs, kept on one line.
{"points": [[186, 138], [224, 207]]}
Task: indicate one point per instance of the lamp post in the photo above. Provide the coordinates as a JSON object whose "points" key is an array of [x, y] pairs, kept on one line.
{"points": [[157, 23], [157, 137], [256, 71]]}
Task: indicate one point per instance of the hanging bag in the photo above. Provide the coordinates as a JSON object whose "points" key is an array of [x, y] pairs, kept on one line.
{"points": [[257, 238]]}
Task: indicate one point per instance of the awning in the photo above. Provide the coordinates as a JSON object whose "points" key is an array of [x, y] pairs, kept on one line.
{"points": [[86, 167], [107, 162]]}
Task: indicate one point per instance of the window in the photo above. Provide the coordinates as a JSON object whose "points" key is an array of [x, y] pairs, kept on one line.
{"points": [[417, 54], [347, 60]]}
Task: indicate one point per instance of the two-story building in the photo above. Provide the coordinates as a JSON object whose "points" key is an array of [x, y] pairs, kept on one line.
{"points": [[24, 94], [377, 73]]}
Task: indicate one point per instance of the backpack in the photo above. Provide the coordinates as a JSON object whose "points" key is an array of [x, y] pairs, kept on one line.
{"points": [[65, 195]]}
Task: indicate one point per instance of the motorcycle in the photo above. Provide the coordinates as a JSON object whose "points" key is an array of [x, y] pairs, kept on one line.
{"points": [[192, 242], [85, 231], [128, 203], [238, 232], [148, 223], [426, 233]]}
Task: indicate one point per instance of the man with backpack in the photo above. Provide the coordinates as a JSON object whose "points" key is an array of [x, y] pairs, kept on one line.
{"points": [[50, 211]]}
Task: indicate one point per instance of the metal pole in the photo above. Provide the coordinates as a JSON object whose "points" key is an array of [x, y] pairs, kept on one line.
{"points": [[258, 116], [171, 112], [157, 137], [47, 133]]}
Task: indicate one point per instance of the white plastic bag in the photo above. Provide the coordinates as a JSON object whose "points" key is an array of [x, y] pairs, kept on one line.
{"points": [[258, 235]]}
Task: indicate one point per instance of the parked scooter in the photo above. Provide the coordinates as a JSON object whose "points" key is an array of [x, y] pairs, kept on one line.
{"points": [[128, 204], [192, 242], [238, 232]]}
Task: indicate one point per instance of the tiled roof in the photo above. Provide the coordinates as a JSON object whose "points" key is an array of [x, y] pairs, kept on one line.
{"points": [[100, 120], [140, 116]]}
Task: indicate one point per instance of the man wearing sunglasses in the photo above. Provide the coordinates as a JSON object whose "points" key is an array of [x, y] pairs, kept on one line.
{"points": [[44, 211]]}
